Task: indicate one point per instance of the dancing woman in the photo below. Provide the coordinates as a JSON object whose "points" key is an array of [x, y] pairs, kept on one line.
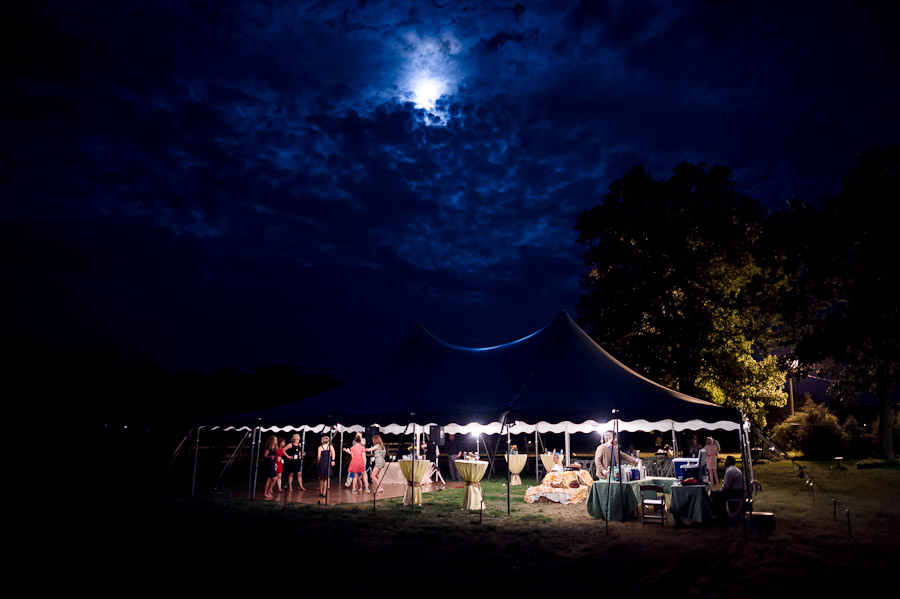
{"points": [[357, 468], [279, 463], [294, 455], [325, 460], [270, 456], [378, 452]]}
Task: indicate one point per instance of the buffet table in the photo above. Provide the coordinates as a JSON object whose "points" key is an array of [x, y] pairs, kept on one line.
{"points": [[516, 465], [472, 472], [392, 475], [625, 501], [558, 487], [414, 471]]}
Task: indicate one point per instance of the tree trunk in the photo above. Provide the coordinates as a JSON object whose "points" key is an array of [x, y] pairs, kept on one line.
{"points": [[885, 423]]}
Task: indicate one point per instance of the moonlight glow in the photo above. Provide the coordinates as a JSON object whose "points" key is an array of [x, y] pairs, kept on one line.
{"points": [[427, 92]]}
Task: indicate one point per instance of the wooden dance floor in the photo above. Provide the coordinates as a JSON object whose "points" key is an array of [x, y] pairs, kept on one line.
{"points": [[341, 494]]}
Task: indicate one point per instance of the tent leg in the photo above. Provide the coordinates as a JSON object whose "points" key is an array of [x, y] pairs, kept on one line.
{"points": [[621, 471], [230, 461], [196, 452], [508, 474], [568, 446], [674, 441], [341, 459], [491, 456], [176, 453], [302, 455], [537, 457], [253, 464]]}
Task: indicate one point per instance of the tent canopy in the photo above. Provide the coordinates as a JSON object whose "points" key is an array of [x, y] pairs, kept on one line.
{"points": [[556, 379]]}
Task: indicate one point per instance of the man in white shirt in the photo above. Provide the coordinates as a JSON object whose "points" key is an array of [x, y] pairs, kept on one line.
{"points": [[732, 488]]}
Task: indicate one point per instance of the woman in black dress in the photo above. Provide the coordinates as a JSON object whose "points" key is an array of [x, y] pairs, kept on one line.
{"points": [[325, 460], [293, 463]]}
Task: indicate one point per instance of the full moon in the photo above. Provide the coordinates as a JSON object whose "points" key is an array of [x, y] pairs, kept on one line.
{"points": [[427, 92]]}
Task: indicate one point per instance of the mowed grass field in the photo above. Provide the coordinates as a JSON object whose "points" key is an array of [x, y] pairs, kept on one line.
{"points": [[149, 544]]}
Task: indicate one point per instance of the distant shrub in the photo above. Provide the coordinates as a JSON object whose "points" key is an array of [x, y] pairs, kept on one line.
{"points": [[860, 442], [877, 463], [814, 430]]}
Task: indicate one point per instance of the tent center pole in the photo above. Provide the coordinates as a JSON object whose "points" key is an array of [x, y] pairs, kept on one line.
{"points": [[196, 453]]}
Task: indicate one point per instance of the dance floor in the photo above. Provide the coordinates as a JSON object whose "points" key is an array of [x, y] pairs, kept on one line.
{"points": [[341, 494]]}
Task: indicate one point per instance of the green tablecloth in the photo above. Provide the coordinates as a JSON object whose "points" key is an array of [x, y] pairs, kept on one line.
{"points": [[690, 502], [630, 497]]}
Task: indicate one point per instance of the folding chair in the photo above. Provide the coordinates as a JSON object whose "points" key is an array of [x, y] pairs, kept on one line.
{"points": [[667, 469], [653, 504]]}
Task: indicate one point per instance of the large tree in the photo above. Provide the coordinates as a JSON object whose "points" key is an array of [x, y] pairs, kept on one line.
{"points": [[674, 290], [853, 273]]}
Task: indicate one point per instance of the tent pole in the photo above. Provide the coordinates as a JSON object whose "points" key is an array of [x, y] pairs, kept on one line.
{"points": [[254, 460], [177, 452], [568, 446], [196, 452], [497, 446], [330, 434], [537, 457], [341, 460], [508, 475], [230, 461], [302, 453], [674, 441], [621, 472], [608, 487], [250, 475], [487, 450]]}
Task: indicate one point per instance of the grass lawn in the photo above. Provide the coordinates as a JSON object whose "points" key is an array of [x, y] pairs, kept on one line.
{"points": [[152, 545]]}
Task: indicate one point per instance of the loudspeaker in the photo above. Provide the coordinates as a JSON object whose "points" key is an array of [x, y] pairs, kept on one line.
{"points": [[436, 435], [371, 431], [763, 520]]}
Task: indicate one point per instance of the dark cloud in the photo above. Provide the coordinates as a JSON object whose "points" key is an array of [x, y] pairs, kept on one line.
{"points": [[244, 183]]}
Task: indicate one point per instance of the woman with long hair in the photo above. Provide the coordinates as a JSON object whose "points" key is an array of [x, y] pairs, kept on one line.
{"points": [[270, 456], [712, 460], [325, 460], [378, 453]]}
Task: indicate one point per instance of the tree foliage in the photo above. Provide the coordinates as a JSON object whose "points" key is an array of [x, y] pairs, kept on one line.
{"points": [[673, 287], [852, 268], [814, 430]]}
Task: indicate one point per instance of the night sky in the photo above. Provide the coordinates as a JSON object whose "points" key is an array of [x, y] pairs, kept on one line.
{"points": [[235, 184]]}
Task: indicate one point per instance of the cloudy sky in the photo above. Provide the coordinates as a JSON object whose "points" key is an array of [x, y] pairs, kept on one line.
{"points": [[214, 184]]}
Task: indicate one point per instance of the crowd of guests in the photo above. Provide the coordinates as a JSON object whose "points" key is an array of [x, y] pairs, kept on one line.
{"points": [[367, 464]]}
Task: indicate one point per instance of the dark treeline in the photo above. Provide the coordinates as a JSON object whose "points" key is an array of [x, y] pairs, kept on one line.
{"points": [[97, 387], [695, 285]]}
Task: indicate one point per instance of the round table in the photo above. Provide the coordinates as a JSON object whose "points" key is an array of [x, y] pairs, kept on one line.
{"points": [[547, 461], [516, 465], [472, 472], [413, 471]]}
